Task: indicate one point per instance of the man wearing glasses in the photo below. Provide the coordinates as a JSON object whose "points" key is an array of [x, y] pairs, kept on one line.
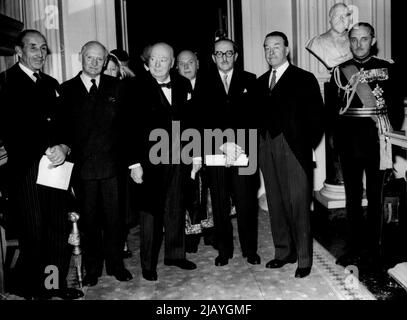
{"points": [[227, 101]]}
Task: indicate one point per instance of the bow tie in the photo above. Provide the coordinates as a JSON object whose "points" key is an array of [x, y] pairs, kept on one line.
{"points": [[166, 85]]}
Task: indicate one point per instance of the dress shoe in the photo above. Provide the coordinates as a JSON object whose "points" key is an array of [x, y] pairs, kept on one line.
{"points": [[122, 274], [275, 263], [149, 275], [302, 272], [253, 259], [180, 263], [66, 293], [221, 261]]}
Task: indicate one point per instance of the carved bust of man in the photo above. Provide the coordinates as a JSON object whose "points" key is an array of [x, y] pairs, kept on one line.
{"points": [[332, 47]]}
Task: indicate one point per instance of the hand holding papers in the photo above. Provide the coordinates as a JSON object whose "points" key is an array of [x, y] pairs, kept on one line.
{"points": [[54, 176], [233, 156], [231, 150], [221, 160], [196, 166]]}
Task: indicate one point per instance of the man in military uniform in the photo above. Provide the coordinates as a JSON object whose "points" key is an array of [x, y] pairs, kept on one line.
{"points": [[366, 104]]}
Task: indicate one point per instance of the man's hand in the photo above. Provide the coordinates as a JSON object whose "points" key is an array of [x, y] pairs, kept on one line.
{"points": [[196, 166], [137, 174], [57, 154], [232, 151]]}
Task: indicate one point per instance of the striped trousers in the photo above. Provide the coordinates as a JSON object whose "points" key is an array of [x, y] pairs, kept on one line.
{"points": [[43, 231], [288, 192]]}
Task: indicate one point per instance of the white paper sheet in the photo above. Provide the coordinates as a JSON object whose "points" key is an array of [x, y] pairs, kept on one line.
{"points": [[54, 177], [220, 160]]}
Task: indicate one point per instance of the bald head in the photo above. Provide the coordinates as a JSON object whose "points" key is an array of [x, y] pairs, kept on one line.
{"points": [[340, 17], [187, 64], [161, 61], [93, 57]]}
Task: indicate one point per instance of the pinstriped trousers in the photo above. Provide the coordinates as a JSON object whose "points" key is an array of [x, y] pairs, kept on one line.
{"points": [[288, 192], [43, 231]]}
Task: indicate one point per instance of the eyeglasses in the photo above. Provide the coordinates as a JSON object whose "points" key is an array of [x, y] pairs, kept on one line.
{"points": [[220, 54]]}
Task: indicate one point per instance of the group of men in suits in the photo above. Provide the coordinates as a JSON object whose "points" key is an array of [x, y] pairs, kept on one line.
{"points": [[101, 125]]}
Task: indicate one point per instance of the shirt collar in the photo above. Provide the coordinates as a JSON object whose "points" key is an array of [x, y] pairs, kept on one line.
{"points": [[166, 80], [229, 73], [193, 82], [363, 60], [87, 80], [27, 71], [279, 71]]}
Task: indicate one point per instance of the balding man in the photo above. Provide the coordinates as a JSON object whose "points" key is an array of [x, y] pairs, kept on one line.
{"points": [[332, 47], [197, 193], [161, 97], [29, 129], [91, 104]]}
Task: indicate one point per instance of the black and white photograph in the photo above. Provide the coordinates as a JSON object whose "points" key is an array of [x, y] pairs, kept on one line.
{"points": [[203, 159]]}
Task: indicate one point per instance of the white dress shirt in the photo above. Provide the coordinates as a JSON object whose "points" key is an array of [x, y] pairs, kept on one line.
{"points": [[280, 70], [167, 92], [229, 74], [27, 71], [193, 81], [87, 81]]}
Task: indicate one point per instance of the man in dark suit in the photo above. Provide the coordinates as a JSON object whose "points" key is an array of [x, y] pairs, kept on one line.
{"points": [[29, 129], [292, 98], [159, 100], [197, 190], [91, 105], [228, 93]]}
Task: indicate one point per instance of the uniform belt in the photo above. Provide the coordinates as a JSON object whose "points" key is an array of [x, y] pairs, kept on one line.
{"points": [[364, 112]]}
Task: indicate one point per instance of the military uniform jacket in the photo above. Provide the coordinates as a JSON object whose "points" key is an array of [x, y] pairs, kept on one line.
{"points": [[360, 135]]}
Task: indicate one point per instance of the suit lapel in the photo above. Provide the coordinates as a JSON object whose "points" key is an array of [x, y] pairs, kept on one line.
{"points": [[27, 81], [234, 86], [80, 85], [281, 83]]}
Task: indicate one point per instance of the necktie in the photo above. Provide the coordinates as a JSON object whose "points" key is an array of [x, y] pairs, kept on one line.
{"points": [[93, 88], [225, 83], [273, 80], [166, 85], [37, 76]]}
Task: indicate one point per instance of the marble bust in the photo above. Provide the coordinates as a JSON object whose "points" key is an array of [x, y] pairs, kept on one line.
{"points": [[333, 47]]}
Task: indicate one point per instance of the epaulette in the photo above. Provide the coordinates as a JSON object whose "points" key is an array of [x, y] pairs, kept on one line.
{"points": [[391, 61]]}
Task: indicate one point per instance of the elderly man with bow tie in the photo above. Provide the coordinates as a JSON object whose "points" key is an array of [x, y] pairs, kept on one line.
{"points": [[161, 98]]}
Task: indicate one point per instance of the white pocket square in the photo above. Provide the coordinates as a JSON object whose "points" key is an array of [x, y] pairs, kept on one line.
{"points": [[189, 96], [245, 90]]}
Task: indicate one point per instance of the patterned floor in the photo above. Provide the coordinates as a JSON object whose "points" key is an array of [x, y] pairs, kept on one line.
{"points": [[236, 281]]}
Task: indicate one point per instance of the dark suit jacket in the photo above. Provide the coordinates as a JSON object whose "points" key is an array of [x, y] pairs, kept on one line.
{"points": [[92, 126], [147, 111], [28, 118], [227, 111], [294, 108]]}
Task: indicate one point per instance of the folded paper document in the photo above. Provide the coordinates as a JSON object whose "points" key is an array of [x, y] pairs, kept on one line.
{"points": [[220, 160], [54, 177]]}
